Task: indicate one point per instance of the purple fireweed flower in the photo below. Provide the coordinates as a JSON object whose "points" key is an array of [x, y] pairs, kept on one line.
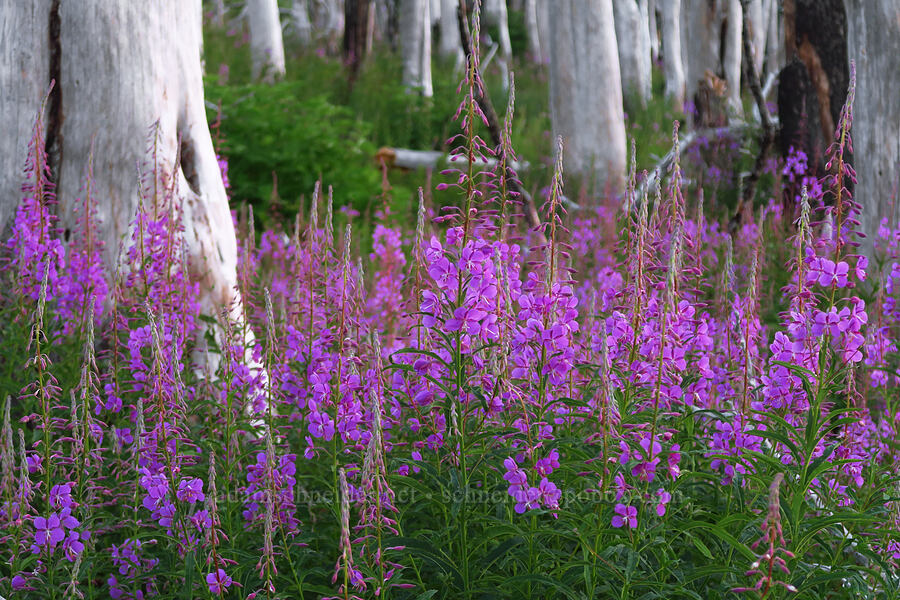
{"points": [[218, 582], [663, 498], [190, 490], [625, 515]]}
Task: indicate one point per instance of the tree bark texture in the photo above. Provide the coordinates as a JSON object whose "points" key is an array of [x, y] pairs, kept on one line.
{"points": [[585, 90], [450, 45], [356, 33], [24, 79], [812, 87], [113, 86], [415, 43], [633, 40], [673, 61], [873, 41]]}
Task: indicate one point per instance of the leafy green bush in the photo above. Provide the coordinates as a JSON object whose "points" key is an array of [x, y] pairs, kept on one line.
{"points": [[271, 131]]}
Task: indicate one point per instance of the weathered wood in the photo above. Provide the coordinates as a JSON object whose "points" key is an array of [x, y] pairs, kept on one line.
{"points": [[673, 62], [586, 93], [873, 36], [633, 41], [405, 158], [266, 43], [24, 79]]}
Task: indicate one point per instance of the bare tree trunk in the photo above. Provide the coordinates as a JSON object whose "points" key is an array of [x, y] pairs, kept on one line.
{"points": [[497, 11], [415, 41], [356, 33], [24, 78], [114, 85], [585, 91], [450, 45], [543, 25], [774, 37], [700, 42], [648, 7], [731, 58], [873, 41], [111, 86], [633, 39], [758, 26], [266, 44], [531, 28], [300, 17], [673, 63]]}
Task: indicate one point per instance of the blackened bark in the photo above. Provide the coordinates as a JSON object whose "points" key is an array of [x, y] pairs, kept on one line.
{"points": [[356, 34]]}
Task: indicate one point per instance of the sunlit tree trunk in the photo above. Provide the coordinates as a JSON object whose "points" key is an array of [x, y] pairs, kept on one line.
{"points": [[585, 90], [673, 63], [415, 42], [633, 39], [873, 41], [266, 43]]}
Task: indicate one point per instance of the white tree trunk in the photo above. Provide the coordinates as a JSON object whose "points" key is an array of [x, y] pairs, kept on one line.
{"points": [[450, 46], [758, 26], [157, 79], [543, 25], [700, 41], [774, 37], [24, 79], [731, 60], [415, 40], [633, 38], [673, 63], [648, 7], [266, 43], [300, 17], [435, 12], [531, 28], [873, 41], [495, 12], [585, 90]]}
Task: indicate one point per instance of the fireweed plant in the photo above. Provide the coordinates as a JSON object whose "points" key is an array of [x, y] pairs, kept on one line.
{"points": [[625, 403]]}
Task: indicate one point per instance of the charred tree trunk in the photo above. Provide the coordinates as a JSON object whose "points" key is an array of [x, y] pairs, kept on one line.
{"points": [[357, 14], [812, 87]]}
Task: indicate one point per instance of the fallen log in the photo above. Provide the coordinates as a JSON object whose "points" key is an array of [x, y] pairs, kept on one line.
{"points": [[404, 158]]}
